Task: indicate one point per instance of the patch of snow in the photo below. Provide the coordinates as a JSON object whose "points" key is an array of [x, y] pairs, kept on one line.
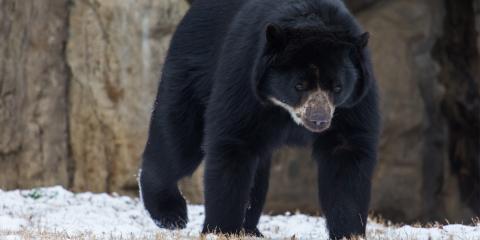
{"points": [[55, 209], [11, 237], [12, 223]]}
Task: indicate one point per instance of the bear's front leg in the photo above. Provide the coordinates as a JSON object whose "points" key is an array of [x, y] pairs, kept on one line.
{"points": [[258, 195], [345, 165], [229, 173]]}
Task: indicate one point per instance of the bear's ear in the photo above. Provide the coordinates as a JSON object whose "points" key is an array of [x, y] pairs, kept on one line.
{"points": [[276, 37], [361, 58], [362, 40]]}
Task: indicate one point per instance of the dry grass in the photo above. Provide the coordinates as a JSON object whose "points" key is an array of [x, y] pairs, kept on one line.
{"points": [[375, 234], [47, 235], [44, 235]]}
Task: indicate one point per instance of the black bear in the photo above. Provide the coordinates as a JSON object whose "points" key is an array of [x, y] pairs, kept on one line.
{"points": [[244, 77]]}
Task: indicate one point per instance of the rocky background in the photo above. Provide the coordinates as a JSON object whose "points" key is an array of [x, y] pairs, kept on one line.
{"points": [[78, 79]]}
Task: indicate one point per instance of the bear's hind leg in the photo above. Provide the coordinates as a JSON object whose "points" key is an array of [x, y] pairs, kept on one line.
{"points": [[165, 204], [172, 152]]}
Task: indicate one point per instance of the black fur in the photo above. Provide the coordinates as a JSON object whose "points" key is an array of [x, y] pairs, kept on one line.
{"points": [[226, 58]]}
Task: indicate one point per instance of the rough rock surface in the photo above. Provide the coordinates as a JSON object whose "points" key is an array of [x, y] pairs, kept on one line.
{"points": [[115, 51], [457, 52], [403, 35], [33, 88]]}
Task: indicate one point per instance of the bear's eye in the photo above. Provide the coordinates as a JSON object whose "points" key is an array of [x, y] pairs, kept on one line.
{"points": [[301, 86], [337, 89]]}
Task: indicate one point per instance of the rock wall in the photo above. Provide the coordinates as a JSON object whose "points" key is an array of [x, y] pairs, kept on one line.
{"points": [[413, 137], [77, 83], [115, 52], [33, 92], [457, 51]]}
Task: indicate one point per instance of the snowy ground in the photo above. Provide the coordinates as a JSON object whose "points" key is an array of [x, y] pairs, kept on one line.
{"points": [[55, 213]]}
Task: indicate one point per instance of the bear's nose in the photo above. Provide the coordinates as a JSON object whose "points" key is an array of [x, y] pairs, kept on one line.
{"points": [[318, 119], [320, 123], [318, 116]]}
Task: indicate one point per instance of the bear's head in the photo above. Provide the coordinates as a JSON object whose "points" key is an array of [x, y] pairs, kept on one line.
{"points": [[311, 72]]}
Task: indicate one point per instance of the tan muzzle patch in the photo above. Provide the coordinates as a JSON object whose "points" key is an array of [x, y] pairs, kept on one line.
{"points": [[314, 113]]}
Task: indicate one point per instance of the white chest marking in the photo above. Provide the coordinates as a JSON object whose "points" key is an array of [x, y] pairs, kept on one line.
{"points": [[294, 113]]}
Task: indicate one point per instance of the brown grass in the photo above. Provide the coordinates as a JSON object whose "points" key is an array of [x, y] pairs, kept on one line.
{"points": [[46, 235], [377, 234]]}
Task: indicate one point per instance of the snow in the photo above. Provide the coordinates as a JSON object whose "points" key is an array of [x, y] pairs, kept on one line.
{"points": [[57, 210]]}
